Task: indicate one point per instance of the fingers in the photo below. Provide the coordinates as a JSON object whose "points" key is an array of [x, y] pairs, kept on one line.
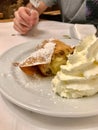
{"points": [[25, 19], [22, 29], [23, 16]]}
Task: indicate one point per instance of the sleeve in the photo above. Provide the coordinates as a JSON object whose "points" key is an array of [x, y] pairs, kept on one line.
{"points": [[49, 3]]}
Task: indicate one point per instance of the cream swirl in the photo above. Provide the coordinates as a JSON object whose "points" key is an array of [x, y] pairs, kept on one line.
{"points": [[79, 77]]}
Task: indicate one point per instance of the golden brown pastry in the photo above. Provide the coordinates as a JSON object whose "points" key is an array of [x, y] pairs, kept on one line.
{"points": [[59, 58], [47, 61]]}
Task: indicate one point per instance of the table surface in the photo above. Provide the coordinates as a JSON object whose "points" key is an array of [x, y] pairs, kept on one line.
{"points": [[13, 117]]}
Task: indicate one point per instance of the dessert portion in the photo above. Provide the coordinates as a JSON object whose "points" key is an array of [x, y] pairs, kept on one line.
{"points": [[47, 58], [79, 77]]}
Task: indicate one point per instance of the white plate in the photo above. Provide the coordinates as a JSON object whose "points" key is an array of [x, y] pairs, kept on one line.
{"points": [[36, 94]]}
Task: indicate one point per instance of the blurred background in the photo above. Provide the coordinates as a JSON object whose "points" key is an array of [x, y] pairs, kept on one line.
{"points": [[8, 7]]}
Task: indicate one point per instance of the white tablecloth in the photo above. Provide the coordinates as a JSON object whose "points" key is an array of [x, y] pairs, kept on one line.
{"points": [[13, 117]]}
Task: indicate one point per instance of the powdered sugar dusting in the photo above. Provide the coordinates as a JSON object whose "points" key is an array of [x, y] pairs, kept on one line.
{"points": [[41, 56]]}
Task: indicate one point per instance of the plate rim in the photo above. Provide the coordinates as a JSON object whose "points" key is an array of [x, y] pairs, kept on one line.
{"points": [[34, 109]]}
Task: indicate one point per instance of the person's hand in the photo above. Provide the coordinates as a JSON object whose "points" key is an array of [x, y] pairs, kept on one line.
{"points": [[25, 19]]}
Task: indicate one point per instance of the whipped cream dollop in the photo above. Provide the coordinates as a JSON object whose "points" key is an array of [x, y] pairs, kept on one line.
{"points": [[79, 77]]}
